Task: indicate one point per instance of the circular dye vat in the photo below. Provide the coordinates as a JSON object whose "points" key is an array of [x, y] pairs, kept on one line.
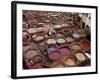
{"points": [[51, 48], [56, 64], [58, 26], [64, 51], [30, 54], [42, 44], [47, 21], [70, 61], [60, 40], [85, 44], [88, 55], [35, 65], [65, 30], [54, 55], [59, 66], [63, 58], [26, 38], [26, 48], [59, 35], [75, 35], [69, 39], [32, 30], [80, 56], [76, 46], [51, 41], [38, 65], [38, 58], [38, 38]]}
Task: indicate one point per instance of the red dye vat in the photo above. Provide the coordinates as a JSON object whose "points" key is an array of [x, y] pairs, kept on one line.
{"points": [[85, 44]]}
